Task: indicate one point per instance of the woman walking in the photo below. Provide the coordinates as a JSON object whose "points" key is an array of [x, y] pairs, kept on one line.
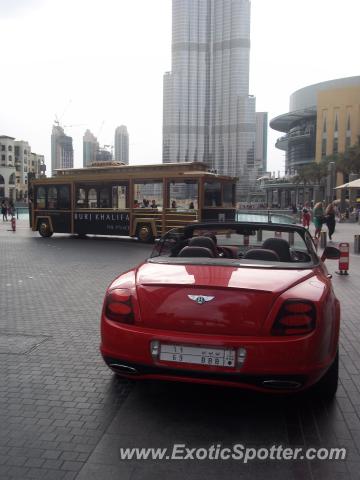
{"points": [[330, 219], [318, 218]]}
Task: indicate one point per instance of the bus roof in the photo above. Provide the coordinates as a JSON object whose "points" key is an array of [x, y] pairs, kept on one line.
{"points": [[196, 169]]}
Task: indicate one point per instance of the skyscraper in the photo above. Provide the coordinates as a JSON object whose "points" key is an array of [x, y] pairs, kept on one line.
{"points": [[122, 145], [208, 114], [62, 152], [90, 148]]}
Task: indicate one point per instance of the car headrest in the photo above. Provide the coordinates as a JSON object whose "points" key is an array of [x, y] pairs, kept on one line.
{"points": [[196, 252], [206, 242], [280, 246], [262, 254]]}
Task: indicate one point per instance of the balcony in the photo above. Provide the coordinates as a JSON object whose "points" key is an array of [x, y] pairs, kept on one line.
{"points": [[297, 136], [282, 143]]}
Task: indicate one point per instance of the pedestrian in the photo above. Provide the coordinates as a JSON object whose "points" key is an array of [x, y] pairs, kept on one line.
{"points": [[153, 204], [11, 209], [318, 218], [294, 208], [191, 206], [305, 215], [4, 210], [173, 204], [330, 219]]}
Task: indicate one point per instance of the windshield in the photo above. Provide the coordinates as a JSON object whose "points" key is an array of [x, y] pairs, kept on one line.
{"points": [[260, 244]]}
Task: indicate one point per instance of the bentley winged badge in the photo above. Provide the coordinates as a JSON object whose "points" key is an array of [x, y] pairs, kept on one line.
{"points": [[201, 299]]}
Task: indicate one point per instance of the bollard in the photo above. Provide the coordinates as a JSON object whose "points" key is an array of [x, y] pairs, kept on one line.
{"points": [[323, 239], [291, 239], [316, 242], [356, 243], [344, 259], [13, 224]]}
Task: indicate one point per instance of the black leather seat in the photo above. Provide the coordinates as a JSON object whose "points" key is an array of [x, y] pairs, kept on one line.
{"points": [[205, 242], [279, 246], [192, 252], [262, 254]]}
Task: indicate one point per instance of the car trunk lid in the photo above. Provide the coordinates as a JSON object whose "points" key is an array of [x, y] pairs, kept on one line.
{"points": [[210, 299]]}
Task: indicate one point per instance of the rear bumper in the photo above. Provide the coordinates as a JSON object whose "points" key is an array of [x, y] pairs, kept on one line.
{"points": [[272, 364], [278, 383]]}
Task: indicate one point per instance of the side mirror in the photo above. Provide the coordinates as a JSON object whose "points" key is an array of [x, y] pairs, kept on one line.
{"points": [[330, 253]]}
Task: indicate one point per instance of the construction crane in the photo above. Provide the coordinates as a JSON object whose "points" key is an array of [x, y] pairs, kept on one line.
{"points": [[57, 119], [101, 127]]}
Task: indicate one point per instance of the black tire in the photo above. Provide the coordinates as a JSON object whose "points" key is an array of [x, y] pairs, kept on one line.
{"points": [[44, 229], [144, 233], [327, 385]]}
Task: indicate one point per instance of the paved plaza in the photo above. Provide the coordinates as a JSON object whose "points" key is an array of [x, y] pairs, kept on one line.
{"points": [[64, 415]]}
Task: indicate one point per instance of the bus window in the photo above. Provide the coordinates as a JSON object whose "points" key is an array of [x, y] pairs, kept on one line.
{"points": [[119, 194], [81, 198], [64, 197], [40, 197], [104, 198], [148, 193], [52, 197], [183, 195], [212, 194], [228, 195], [92, 198]]}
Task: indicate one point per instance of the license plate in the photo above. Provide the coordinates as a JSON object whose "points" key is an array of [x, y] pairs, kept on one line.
{"points": [[212, 357]]}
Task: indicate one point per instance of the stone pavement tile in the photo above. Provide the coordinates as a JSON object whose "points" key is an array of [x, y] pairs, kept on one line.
{"points": [[16, 473]]}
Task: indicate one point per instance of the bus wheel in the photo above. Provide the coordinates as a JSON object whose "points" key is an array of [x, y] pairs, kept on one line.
{"points": [[44, 229], [144, 233]]}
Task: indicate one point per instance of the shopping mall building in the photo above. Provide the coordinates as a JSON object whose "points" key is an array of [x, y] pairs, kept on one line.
{"points": [[323, 119]]}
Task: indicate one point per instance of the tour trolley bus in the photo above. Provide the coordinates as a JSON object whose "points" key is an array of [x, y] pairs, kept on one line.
{"points": [[142, 201]]}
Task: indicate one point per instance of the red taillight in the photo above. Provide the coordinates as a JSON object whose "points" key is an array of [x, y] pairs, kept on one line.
{"points": [[118, 306], [296, 317]]}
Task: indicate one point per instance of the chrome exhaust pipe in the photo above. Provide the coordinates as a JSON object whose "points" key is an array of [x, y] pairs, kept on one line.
{"points": [[279, 384], [118, 367]]}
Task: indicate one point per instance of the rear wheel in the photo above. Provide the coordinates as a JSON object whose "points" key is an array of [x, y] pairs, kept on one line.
{"points": [[327, 385], [144, 233], [44, 229]]}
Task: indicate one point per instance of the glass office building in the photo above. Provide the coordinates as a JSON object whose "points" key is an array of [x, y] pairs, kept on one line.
{"points": [[208, 114]]}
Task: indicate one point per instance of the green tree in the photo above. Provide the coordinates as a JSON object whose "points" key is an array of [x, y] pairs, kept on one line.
{"points": [[349, 161], [314, 172]]}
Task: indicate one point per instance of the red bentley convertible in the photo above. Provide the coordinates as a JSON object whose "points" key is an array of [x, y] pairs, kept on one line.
{"points": [[246, 305]]}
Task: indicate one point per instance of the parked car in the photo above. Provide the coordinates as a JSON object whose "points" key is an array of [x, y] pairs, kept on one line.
{"points": [[240, 304]]}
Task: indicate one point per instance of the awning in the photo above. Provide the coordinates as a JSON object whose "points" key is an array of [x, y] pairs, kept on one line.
{"points": [[353, 184]]}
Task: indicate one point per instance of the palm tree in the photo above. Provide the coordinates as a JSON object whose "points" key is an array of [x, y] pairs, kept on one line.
{"points": [[312, 173], [348, 161]]}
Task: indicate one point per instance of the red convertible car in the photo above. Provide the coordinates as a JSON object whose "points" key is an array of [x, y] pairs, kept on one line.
{"points": [[247, 305]]}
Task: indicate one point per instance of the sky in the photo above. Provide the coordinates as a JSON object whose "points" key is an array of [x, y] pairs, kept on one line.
{"points": [[98, 65]]}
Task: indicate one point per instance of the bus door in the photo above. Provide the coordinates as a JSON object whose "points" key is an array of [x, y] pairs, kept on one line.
{"points": [[102, 208], [218, 201], [52, 208], [147, 209]]}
